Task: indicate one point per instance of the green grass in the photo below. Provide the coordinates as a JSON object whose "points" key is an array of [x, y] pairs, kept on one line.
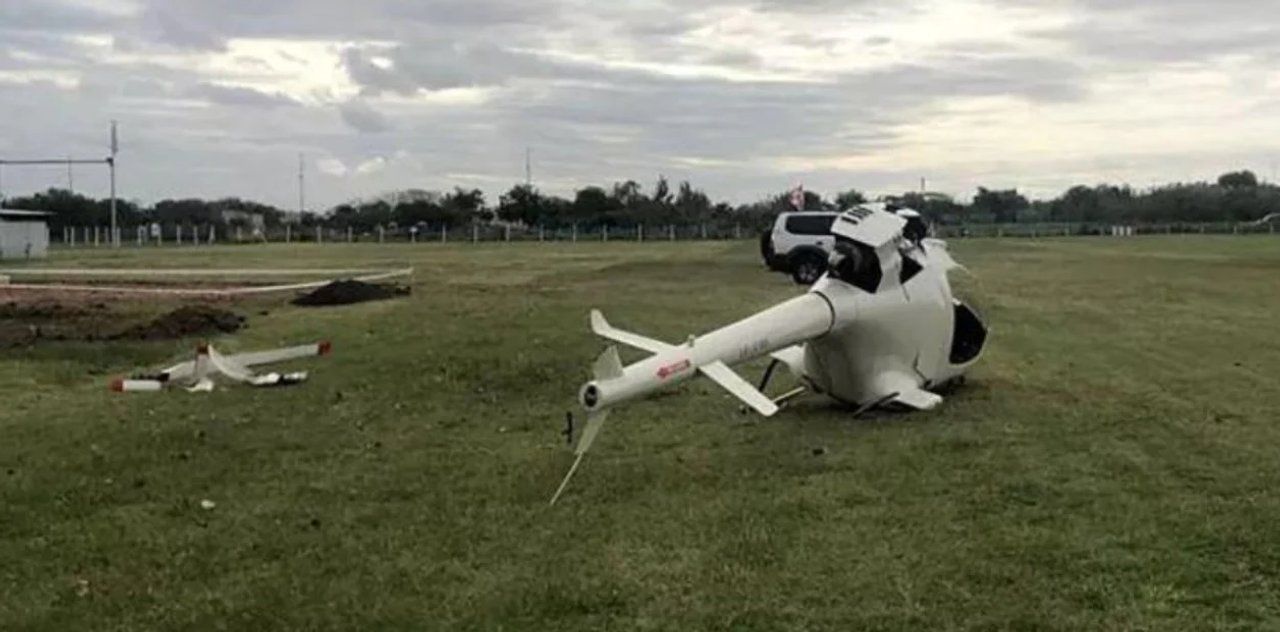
{"points": [[1111, 464]]}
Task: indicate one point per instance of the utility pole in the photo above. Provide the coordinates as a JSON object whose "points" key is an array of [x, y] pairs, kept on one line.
{"points": [[302, 190], [111, 162], [923, 190], [71, 180], [528, 166]]}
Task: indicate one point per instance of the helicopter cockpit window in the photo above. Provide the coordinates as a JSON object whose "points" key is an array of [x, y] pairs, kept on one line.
{"points": [[856, 264], [910, 268]]}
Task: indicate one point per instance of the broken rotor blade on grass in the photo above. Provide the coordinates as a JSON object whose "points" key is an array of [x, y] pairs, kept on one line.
{"points": [[196, 375]]}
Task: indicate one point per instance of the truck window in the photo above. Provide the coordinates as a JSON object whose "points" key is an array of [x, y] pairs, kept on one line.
{"points": [[810, 224]]}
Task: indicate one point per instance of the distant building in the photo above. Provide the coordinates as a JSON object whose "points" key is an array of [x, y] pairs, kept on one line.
{"points": [[23, 234]]}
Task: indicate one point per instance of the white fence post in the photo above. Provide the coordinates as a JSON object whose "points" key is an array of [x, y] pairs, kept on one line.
{"points": [[704, 232], [506, 233], [475, 232], [348, 234], [640, 232], [575, 233], [288, 233], [671, 232], [213, 234], [444, 233], [604, 233], [540, 235], [139, 230]]}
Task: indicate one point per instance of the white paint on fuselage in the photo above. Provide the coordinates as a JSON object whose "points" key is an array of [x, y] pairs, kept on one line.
{"points": [[898, 340]]}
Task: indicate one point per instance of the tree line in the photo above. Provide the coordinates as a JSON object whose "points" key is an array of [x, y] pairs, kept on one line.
{"points": [[1236, 196]]}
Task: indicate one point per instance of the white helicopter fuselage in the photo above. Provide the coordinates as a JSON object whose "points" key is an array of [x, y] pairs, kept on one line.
{"points": [[880, 328], [893, 343]]}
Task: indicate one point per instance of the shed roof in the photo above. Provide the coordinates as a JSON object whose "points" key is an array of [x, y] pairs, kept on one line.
{"points": [[17, 213]]}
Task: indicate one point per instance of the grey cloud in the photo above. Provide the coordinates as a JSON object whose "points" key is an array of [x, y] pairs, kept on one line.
{"points": [[183, 33], [587, 121], [735, 59], [372, 78], [440, 65], [362, 118], [239, 96], [52, 16], [1170, 31]]}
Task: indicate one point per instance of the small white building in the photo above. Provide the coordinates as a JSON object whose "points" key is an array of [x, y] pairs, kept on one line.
{"points": [[23, 234]]}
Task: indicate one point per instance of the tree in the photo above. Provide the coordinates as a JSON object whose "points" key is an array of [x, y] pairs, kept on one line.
{"points": [[74, 209], [850, 198], [661, 192], [692, 206], [466, 205], [522, 204], [935, 207], [1003, 206], [1238, 179], [593, 205]]}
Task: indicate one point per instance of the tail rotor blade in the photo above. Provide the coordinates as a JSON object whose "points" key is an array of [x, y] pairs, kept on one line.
{"points": [[595, 421]]}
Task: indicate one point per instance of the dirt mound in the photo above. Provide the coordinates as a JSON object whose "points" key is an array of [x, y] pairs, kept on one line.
{"points": [[347, 292], [188, 320]]}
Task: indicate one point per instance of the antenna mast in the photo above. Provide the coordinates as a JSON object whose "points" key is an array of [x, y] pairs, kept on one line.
{"points": [[302, 185]]}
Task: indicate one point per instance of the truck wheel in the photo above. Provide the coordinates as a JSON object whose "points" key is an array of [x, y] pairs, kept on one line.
{"points": [[766, 248], [808, 268]]}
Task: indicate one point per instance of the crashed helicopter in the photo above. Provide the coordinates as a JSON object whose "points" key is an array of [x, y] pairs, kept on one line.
{"points": [[880, 329]]}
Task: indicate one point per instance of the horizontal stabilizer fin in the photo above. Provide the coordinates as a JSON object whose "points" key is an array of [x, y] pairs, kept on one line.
{"points": [[602, 328], [721, 374]]}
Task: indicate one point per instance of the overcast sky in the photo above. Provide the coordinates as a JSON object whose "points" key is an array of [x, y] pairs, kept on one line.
{"points": [[742, 97]]}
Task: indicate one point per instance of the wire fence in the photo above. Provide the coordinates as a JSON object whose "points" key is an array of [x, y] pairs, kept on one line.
{"points": [[183, 235], [197, 235]]}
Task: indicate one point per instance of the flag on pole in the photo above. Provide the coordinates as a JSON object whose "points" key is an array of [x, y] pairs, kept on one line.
{"points": [[797, 197]]}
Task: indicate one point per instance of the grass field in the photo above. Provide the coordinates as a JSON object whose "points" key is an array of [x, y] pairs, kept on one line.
{"points": [[1112, 463]]}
